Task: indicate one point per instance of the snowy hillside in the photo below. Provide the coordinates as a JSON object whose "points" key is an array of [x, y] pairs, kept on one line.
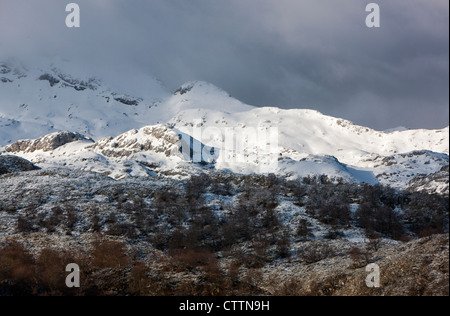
{"points": [[140, 129], [53, 97], [310, 132], [307, 137], [37, 101]]}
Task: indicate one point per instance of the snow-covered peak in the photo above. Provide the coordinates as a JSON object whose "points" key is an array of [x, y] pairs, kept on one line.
{"points": [[46, 143], [203, 95], [137, 123], [38, 100], [156, 139]]}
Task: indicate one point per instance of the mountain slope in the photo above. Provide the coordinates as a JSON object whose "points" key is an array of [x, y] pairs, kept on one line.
{"points": [[365, 155], [309, 132], [150, 151], [145, 131], [163, 151], [37, 101]]}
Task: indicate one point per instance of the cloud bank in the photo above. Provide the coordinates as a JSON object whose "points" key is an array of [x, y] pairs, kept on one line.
{"points": [[286, 53]]}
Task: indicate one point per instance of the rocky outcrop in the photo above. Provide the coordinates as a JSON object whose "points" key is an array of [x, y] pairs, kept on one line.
{"points": [[46, 143], [157, 139], [10, 164], [417, 171], [437, 182]]}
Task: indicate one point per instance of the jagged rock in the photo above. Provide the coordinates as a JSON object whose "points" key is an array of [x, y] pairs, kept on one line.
{"points": [[418, 170], [437, 182], [5, 69], [52, 80], [10, 164], [158, 139], [128, 100], [184, 89], [46, 143], [5, 80]]}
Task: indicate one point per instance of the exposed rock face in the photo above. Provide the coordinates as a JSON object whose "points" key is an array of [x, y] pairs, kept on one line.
{"points": [[417, 170], [158, 139], [46, 143], [437, 182], [10, 164]]}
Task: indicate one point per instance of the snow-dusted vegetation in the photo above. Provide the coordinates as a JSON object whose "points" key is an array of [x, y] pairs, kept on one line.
{"points": [[220, 226]]}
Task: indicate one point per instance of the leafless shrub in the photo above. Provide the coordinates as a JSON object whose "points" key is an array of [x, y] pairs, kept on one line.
{"points": [[316, 252], [110, 254], [17, 269], [196, 186], [140, 282], [50, 266], [304, 231], [283, 248], [123, 230], [359, 257], [96, 223], [292, 287], [24, 225], [187, 260]]}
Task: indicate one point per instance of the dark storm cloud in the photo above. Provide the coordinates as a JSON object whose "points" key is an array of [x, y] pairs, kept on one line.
{"points": [[287, 53]]}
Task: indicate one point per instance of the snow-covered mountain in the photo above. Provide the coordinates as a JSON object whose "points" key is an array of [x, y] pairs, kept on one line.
{"points": [[41, 100], [151, 132]]}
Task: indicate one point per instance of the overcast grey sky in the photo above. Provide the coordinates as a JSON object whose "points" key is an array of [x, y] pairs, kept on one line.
{"points": [[315, 54]]}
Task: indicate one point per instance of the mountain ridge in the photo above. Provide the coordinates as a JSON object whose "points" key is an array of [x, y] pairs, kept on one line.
{"points": [[113, 133]]}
